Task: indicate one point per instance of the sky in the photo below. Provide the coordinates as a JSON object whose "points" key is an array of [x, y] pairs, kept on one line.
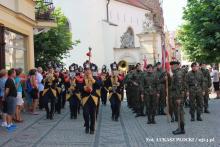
{"points": [[173, 12]]}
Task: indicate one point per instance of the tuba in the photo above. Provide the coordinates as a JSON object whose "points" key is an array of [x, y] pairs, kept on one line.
{"points": [[123, 66]]}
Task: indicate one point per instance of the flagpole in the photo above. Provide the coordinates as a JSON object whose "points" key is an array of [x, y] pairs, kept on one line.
{"points": [[90, 49], [166, 59]]}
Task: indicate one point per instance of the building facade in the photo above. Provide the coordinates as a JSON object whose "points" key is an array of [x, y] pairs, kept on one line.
{"points": [[115, 30], [19, 21]]}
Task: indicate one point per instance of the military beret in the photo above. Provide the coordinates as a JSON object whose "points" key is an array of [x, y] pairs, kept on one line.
{"points": [[174, 63], [138, 64], [193, 64], [149, 65]]}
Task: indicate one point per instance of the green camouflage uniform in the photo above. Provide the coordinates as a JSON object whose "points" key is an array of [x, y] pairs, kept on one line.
{"points": [[162, 85], [128, 87], [150, 88], [136, 90], [195, 87], [185, 71], [177, 93], [207, 85]]}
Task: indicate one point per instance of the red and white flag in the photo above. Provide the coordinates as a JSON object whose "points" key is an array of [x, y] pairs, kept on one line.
{"points": [[145, 63], [165, 59]]}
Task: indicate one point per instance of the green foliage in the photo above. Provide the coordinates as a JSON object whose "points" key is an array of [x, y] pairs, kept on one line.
{"points": [[200, 35], [54, 44]]}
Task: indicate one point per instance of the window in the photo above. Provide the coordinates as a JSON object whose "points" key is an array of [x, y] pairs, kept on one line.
{"points": [[15, 50]]}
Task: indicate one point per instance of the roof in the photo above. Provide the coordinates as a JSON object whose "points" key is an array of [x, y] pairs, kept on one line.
{"points": [[151, 5], [136, 3]]}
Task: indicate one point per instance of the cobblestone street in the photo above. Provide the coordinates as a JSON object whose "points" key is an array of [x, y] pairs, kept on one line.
{"points": [[36, 131]]}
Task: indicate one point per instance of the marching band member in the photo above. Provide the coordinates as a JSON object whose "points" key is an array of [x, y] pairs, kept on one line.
{"points": [[49, 93], [95, 75], [89, 100], [79, 82], [73, 94], [115, 96], [104, 89]]}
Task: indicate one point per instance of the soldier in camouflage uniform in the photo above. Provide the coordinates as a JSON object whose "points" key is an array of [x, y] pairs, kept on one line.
{"points": [[128, 88], [150, 93], [177, 86], [185, 71], [207, 84], [136, 93], [162, 84], [195, 90]]}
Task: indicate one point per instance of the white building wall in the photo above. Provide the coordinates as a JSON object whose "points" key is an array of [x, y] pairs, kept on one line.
{"points": [[86, 20]]}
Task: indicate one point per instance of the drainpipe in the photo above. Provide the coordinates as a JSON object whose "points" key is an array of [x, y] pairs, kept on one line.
{"points": [[107, 9]]}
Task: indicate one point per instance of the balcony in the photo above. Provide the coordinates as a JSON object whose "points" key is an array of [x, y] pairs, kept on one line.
{"points": [[44, 10], [44, 14]]}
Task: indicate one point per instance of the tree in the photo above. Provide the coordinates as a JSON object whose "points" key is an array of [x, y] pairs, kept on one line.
{"points": [[200, 35], [54, 44]]}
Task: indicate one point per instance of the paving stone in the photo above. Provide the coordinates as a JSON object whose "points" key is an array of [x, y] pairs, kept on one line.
{"points": [[129, 131]]}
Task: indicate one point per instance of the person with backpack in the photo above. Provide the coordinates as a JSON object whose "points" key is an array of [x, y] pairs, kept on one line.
{"points": [[32, 90]]}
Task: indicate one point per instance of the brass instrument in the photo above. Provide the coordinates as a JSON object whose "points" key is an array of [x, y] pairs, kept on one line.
{"points": [[49, 78], [89, 81], [123, 66]]}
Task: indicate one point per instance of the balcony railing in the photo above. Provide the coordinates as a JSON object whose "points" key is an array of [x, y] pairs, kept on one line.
{"points": [[44, 10]]}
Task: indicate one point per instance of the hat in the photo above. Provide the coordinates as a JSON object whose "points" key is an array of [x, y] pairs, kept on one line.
{"points": [[114, 66], [174, 63], [73, 67], [158, 63], [104, 69], [138, 64], [94, 67], [87, 65], [149, 65], [80, 69]]}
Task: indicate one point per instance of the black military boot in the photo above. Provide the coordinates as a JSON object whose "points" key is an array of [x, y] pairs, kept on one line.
{"points": [[87, 130], [199, 117], [206, 111], [149, 120], [176, 118], [182, 128], [138, 115], [172, 118], [48, 116], [162, 112], [153, 120], [113, 117], [92, 132], [178, 131], [192, 117], [51, 116]]}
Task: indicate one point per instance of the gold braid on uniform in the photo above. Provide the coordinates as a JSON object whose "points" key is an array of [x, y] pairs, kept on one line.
{"points": [[49, 78], [89, 83], [115, 84], [71, 89]]}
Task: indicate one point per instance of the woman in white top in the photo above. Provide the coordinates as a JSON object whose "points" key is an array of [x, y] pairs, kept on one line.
{"points": [[215, 74]]}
